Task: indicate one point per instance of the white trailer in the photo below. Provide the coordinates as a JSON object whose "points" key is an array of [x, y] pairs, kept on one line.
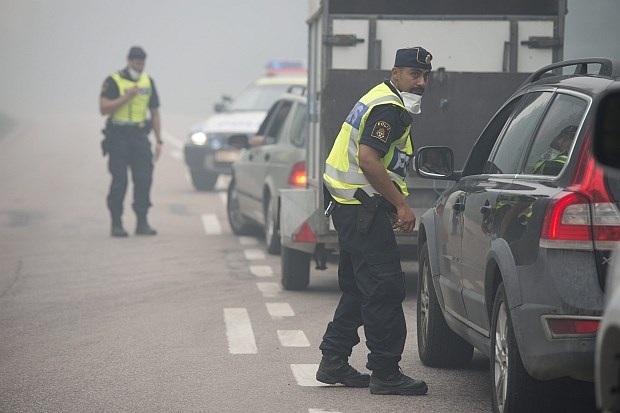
{"points": [[482, 51]]}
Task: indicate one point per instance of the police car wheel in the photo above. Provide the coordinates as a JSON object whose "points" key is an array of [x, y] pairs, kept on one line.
{"points": [[438, 345], [203, 180]]}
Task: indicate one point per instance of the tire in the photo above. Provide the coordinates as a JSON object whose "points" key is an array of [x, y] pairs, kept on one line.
{"points": [[272, 231], [438, 345], [203, 180], [238, 224], [295, 269], [512, 388]]}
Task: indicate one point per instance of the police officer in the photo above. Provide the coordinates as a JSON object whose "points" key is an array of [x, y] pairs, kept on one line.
{"points": [[128, 97], [365, 180]]}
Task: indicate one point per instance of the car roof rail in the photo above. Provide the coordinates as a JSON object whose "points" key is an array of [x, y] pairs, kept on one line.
{"points": [[607, 67], [299, 89]]}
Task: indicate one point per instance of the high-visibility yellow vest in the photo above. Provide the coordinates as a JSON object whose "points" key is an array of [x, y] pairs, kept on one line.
{"points": [[134, 111], [560, 161], [343, 175]]}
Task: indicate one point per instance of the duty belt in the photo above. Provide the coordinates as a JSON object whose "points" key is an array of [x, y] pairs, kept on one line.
{"points": [[130, 124]]}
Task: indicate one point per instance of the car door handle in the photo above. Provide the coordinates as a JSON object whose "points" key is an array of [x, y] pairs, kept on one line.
{"points": [[459, 206]]}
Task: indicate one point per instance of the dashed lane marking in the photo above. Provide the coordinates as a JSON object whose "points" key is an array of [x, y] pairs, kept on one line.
{"points": [[243, 240], [269, 289], [279, 310], [254, 254], [305, 375], [211, 224], [239, 331], [293, 338], [261, 270]]}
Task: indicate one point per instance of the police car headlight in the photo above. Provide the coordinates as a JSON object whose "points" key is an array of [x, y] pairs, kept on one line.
{"points": [[198, 138]]}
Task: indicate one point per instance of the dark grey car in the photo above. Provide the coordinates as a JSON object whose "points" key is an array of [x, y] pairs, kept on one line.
{"points": [[513, 256]]}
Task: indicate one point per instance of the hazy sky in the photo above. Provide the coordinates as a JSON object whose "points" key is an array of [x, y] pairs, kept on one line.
{"points": [[56, 53]]}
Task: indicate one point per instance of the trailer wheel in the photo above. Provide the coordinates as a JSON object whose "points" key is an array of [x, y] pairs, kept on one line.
{"points": [[295, 269]]}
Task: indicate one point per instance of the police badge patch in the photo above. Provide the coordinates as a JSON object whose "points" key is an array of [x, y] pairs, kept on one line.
{"points": [[381, 131]]}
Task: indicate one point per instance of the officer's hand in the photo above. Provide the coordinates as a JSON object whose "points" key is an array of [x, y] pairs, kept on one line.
{"points": [[131, 92], [158, 146], [405, 220]]}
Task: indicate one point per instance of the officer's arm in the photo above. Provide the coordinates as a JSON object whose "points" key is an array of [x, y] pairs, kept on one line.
{"points": [[107, 105], [156, 119], [370, 163]]}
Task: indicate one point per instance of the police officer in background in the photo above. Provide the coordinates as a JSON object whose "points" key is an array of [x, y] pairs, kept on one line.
{"points": [[365, 183], [129, 97]]}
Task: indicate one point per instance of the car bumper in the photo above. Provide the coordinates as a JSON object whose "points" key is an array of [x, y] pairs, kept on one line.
{"points": [[560, 284], [203, 158]]}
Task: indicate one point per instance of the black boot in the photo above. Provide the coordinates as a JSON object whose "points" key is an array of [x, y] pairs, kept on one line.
{"points": [[117, 228], [143, 228], [336, 369], [396, 383]]}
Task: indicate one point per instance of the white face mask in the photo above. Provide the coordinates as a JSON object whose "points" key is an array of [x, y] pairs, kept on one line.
{"points": [[412, 102], [134, 74]]}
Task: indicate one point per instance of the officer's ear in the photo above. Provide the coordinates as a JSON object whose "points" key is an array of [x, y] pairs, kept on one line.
{"points": [[395, 73]]}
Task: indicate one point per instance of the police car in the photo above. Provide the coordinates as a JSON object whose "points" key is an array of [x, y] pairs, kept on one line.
{"points": [[214, 144]]}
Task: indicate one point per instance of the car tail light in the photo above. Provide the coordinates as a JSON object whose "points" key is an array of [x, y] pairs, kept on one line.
{"points": [[583, 216], [298, 175], [565, 327]]}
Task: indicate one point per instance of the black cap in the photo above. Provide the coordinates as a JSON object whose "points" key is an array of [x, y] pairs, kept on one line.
{"points": [[136, 53], [417, 57]]}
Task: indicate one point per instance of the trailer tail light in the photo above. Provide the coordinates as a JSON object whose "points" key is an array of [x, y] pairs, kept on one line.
{"points": [[298, 176], [583, 216], [567, 327]]}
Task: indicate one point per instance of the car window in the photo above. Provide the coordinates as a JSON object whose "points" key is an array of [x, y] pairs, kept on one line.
{"points": [[555, 137], [278, 118], [299, 130], [509, 150], [482, 149]]}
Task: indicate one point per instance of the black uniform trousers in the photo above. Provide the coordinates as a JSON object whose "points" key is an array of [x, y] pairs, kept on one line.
{"points": [[373, 289], [129, 148]]}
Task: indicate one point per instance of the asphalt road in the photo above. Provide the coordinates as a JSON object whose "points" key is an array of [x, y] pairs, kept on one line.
{"points": [[192, 320]]}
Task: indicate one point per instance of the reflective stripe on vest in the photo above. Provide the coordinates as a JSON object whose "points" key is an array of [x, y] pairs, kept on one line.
{"points": [[540, 166], [135, 110], [343, 176]]}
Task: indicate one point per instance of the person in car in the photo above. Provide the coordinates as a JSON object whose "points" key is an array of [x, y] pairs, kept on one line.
{"points": [[554, 159], [365, 180], [127, 97]]}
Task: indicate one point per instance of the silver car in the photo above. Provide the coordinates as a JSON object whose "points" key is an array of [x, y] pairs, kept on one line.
{"points": [[275, 159]]}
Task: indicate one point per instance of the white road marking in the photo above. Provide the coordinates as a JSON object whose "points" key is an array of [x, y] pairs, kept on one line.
{"points": [[239, 331], [261, 270], [279, 310], [173, 140], [176, 154], [223, 197], [269, 289], [293, 338], [321, 411], [305, 375], [243, 240], [211, 224], [254, 254]]}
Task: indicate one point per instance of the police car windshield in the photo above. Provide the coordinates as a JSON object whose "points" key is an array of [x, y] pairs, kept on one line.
{"points": [[258, 97]]}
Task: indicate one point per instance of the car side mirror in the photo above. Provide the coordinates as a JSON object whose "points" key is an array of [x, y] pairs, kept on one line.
{"points": [[606, 138], [239, 141], [435, 162], [221, 105]]}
